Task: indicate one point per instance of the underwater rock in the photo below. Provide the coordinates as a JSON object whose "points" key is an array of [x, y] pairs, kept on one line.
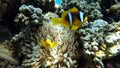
{"points": [[112, 37], [115, 7]]}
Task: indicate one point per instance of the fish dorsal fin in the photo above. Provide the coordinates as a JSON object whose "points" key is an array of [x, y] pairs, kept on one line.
{"points": [[73, 10], [70, 10]]}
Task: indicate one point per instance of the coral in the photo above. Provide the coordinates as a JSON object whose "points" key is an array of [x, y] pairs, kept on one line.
{"points": [[45, 5], [86, 47], [33, 16], [100, 40], [63, 54], [29, 16]]}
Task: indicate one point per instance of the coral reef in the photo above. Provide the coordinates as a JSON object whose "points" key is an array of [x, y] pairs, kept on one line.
{"points": [[45, 5], [65, 53], [37, 43], [93, 39], [100, 40], [29, 16]]}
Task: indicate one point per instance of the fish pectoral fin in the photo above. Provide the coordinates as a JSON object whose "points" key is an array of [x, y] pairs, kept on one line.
{"points": [[56, 21], [76, 24], [74, 27]]}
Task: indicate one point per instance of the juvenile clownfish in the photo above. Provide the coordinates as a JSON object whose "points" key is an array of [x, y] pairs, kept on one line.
{"points": [[47, 43], [72, 18]]}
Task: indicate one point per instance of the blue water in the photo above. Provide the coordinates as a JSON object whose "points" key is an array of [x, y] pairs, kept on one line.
{"points": [[58, 2]]}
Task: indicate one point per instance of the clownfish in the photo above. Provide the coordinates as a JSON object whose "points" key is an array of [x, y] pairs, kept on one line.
{"points": [[47, 43], [72, 18]]}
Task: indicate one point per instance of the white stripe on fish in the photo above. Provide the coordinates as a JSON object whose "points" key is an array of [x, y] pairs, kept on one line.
{"points": [[81, 16], [70, 18]]}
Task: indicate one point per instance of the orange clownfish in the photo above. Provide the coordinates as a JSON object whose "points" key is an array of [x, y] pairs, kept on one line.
{"points": [[72, 18]]}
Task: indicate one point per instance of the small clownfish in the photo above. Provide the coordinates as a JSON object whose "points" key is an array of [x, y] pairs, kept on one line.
{"points": [[72, 18], [47, 43]]}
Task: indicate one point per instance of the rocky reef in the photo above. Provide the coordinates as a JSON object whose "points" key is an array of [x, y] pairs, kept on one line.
{"points": [[38, 44]]}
